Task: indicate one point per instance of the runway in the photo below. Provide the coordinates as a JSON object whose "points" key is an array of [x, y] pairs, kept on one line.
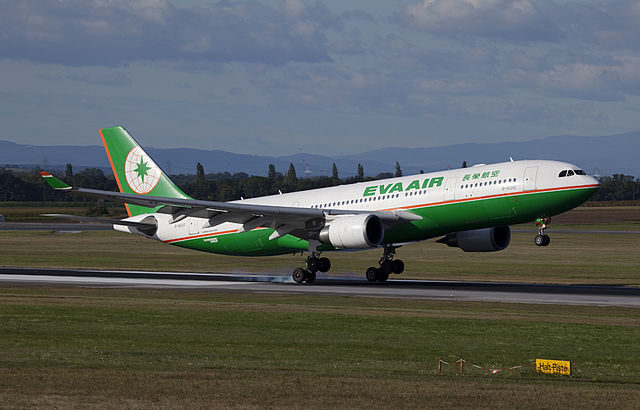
{"points": [[590, 295]]}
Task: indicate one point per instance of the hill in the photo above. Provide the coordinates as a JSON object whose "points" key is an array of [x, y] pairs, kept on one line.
{"points": [[605, 155]]}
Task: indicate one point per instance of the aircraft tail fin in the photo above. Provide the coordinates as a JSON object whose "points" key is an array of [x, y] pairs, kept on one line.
{"points": [[135, 171]]}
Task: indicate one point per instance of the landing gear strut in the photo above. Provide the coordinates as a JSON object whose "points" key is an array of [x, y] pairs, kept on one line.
{"points": [[314, 264], [541, 238], [387, 266]]}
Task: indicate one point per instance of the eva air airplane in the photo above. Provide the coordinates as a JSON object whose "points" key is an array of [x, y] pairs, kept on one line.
{"points": [[470, 208]]}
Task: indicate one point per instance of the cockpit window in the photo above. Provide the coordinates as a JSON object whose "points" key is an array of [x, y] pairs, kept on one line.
{"points": [[579, 172], [563, 173], [569, 173]]}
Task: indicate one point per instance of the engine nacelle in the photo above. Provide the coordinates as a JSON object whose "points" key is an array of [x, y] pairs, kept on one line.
{"points": [[353, 232], [480, 240]]}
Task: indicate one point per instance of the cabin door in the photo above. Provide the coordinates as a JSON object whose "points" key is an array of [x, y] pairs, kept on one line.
{"points": [[450, 189]]}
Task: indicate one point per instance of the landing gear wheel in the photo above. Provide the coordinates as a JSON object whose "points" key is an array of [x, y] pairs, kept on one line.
{"points": [[383, 276], [397, 266], [313, 264], [310, 277], [386, 268], [372, 274], [324, 264], [298, 275], [542, 240]]}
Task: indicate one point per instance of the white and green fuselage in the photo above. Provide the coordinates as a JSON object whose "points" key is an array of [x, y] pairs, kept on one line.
{"points": [[448, 201], [471, 207]]}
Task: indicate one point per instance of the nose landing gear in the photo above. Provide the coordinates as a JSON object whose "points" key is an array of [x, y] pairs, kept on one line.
{"points": [[541, 238]]}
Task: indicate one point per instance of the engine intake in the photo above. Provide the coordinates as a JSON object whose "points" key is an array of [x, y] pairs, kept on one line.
{"points": [[480, 240], [353, 232]]}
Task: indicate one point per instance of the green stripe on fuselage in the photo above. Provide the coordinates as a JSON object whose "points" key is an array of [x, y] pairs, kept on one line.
{"points": [[438, 220]]}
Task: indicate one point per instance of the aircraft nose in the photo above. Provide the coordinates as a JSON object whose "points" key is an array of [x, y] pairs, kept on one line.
{"points": [[593, 181]]}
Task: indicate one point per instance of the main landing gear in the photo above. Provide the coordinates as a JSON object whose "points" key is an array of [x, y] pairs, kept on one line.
{"points": [[314, 264], [387, 266], [542, 239]]}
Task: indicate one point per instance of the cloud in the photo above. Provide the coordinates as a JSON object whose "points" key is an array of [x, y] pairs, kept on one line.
{"points": [[600, 82], [508, 20], [113, 32], [108, 78], [612, 24]]}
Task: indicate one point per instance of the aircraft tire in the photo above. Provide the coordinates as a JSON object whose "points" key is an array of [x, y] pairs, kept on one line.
{"points": [[539, 240], [386, 267], [324, 264], [546, 240], [310, 277], [398, 266], [298, 275], [372, 274], [313, 264], [383, 276]]}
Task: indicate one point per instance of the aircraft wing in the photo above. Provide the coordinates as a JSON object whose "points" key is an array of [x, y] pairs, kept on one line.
{"points": [[283, 219]]}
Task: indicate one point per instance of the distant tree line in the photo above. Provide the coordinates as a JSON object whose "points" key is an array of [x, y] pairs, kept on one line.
{"points": [[28, 185], [20, 185], [618, 187]]}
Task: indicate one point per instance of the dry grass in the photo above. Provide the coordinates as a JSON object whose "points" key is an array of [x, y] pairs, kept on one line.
{"points": [[571, 258], [114, 348]]}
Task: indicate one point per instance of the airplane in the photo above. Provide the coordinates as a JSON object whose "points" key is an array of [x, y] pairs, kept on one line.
{"points": [[469, 208]]}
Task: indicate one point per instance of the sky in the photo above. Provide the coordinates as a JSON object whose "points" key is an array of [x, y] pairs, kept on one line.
{"points": [[329, 77]]}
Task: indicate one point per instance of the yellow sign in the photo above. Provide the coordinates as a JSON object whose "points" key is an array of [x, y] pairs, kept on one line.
{"points": [[553, 366]]}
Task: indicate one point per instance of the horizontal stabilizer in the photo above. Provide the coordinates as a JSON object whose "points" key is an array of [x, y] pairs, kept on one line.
{"points": [[104, 221]]}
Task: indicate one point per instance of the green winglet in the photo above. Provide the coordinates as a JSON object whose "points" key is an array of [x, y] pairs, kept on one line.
{"points": [[54, 182]]}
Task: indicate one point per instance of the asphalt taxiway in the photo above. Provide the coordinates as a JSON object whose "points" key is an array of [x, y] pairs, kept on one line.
{"points": [[592, 295]]}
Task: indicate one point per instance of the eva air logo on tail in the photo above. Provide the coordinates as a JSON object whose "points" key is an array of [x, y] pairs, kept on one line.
{"points": [[141, 172]]}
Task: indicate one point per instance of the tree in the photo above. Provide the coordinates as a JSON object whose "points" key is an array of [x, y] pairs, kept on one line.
{"points": [[291, 180], [398, 170], [360, 177], [334, 173], [68, 173], [271, 175], [200, 172], [618, 187]]}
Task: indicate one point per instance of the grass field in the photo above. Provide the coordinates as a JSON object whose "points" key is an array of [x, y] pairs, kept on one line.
{"points": [[115, 348], [571, 258], [139, 348]]}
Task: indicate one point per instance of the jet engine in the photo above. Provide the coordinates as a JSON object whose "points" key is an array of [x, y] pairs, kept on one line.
{"points": [[480, 240], [353, 232]]}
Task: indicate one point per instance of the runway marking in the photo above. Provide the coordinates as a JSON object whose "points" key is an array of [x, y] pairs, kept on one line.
{"points": [[117, 281]]}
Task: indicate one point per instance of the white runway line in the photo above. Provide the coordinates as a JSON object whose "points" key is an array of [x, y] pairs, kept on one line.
{"points": [[117, 281]]}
